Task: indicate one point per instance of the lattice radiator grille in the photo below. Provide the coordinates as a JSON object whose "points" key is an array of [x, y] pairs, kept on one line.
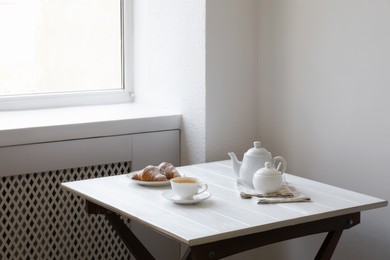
{"points": [[39, 220]]}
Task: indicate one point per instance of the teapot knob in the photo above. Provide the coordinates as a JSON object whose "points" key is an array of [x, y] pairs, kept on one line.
{"points": [[257, 144]]}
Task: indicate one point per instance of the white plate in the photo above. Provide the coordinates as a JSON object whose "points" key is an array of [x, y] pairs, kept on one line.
{"points": [[151, 183], [169, 195]]}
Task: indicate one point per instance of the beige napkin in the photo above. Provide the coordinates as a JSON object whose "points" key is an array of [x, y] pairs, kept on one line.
{"points": [[286, 194]]}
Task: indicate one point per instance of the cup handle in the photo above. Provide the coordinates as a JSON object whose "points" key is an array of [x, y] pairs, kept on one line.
{"points": [[203, 187], [283, 161]]}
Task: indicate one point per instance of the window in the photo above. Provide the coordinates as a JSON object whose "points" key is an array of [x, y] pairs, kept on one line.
{"points": [[64, 52]]}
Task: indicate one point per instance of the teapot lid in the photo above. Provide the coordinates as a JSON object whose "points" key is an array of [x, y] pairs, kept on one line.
{"points": [[257, 149]]}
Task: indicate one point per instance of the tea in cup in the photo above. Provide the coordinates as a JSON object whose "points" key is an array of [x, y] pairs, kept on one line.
{"points": [[185, 188]]}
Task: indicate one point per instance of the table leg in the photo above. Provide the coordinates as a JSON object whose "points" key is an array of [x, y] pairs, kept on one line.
{"points": [[187, 254], [329, 245], [135, 246], [223, 248]]}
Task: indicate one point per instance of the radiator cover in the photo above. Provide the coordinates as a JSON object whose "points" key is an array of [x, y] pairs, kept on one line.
{"points": [[39, 220]]}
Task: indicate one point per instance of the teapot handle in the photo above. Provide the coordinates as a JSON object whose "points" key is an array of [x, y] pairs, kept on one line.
{"points": [[283, 161]]}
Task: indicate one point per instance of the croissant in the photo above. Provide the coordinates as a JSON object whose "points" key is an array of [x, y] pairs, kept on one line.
{"points": [[168, 170], [149, 173]]}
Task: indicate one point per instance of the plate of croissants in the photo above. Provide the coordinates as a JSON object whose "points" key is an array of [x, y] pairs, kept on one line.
{"points": [[155, 175]]}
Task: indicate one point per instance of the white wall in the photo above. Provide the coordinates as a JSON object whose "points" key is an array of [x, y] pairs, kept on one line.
{"points": [[323, 104], [231, 77], [169, 52], [212, 83]]}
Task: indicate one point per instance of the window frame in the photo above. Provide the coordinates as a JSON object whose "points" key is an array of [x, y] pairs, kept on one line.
{"points": [[82, 98]]}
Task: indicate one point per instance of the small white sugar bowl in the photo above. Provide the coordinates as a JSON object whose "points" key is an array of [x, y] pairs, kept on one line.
{"points": [[267, 179]]}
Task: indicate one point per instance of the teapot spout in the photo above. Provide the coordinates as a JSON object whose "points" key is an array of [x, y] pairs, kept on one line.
{"points": [[235, 163]]}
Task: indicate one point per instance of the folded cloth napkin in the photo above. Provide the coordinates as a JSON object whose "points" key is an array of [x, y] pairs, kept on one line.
{"points": [[286, 194]]}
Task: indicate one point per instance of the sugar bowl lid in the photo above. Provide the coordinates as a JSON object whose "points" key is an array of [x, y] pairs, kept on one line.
{"points": [[268, 170]]}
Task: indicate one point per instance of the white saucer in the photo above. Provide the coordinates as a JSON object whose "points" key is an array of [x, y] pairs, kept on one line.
{"points": [[169, 195]]}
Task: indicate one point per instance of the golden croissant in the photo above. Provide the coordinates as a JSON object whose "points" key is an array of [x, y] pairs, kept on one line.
{"points": [[168, 170]]}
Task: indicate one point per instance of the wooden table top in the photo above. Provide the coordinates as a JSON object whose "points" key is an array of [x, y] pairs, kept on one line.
{"points": [[224, 214]]}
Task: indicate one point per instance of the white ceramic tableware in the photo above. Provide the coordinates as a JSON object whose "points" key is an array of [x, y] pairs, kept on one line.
{"points": [[170, 195], [152, 183], [267, 179], [254, 159], [185, 188]]}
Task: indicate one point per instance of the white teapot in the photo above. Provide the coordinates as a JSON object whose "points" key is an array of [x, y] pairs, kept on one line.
{"points": [[267, 179], [254, 159]]}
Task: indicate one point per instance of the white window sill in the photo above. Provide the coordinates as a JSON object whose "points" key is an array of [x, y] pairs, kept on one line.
{"points": [[59, 124]]}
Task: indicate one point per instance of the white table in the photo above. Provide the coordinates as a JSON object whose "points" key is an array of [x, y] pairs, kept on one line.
{"points": [[224, 224]]}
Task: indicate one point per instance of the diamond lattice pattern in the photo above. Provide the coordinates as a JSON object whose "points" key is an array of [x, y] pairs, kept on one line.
{"points": [[39, 220]]}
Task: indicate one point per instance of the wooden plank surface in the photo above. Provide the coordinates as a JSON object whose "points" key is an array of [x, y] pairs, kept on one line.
{"points": [[225, 214]]}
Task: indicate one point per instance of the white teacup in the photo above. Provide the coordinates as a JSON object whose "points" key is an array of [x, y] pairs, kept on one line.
{"points": [[187, 187]]}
